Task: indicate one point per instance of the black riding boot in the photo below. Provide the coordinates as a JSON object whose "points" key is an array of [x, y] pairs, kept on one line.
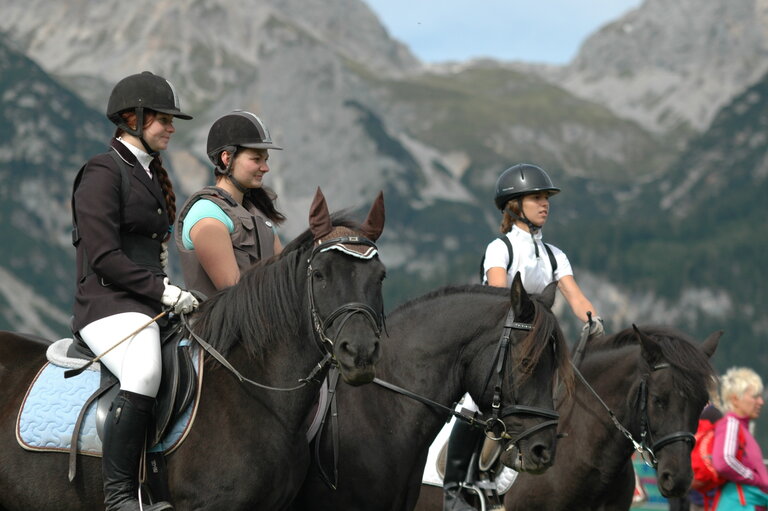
{"points": [[461, 445], [125, 430]]}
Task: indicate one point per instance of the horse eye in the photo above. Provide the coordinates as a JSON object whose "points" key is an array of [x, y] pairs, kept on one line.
{"points": [[318, 275], [659, 402]]}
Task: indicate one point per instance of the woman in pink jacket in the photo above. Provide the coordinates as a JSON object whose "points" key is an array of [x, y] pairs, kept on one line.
{"points": [[736, 454]]}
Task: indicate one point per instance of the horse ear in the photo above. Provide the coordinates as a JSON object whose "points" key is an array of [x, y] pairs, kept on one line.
{"points": [[650, 348], [548, 295], [710, 345], [319, 218], [374, 223], [518, 295]]}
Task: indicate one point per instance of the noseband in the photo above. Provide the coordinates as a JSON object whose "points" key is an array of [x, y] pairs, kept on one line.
{"points": [[323, 341], [495, 428], [645, 433], [647, 452]]}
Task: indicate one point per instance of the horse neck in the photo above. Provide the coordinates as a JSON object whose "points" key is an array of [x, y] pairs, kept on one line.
{"points": [[442, 347], [282, 368], [615, 376]]}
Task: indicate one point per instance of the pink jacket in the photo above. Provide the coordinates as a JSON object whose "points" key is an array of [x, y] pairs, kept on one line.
{"points": [[731, 436]]}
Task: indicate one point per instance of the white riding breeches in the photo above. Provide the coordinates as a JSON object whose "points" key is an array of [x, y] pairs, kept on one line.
{"points": [[136, 362]]}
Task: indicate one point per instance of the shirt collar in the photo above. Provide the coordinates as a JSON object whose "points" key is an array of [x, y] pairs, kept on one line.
{"points": [[143, 157], [517, 231]]}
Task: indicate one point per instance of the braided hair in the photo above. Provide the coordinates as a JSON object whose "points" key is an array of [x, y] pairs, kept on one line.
{"points": [[156, 165]]}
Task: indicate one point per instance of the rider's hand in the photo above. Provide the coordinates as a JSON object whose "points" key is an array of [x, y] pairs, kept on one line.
{"points": [[179, 300], [595, 328]]}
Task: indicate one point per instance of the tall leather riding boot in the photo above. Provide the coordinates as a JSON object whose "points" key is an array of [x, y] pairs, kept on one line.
{"points": [[125, 430], [461, 444]]}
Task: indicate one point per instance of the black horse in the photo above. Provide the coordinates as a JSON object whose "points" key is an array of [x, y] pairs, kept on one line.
{"points": [[247, 448], [440, 346], [655, 381]]}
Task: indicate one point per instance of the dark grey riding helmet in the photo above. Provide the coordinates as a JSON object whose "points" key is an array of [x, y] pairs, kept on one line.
{"points": [[237, 129], [139, 92], [519, 180]]}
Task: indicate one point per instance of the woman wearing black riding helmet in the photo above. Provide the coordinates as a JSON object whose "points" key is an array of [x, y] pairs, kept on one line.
{"points": [[123, 206], [522, 194], [223, 229]]}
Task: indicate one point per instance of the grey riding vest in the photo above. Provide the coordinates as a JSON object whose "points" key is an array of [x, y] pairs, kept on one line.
{"points": [[252, 237]]}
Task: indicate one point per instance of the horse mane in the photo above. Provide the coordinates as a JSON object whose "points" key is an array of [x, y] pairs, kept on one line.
{"points": [[532, 346], [267, 305], [694, 373], [452, 290]]}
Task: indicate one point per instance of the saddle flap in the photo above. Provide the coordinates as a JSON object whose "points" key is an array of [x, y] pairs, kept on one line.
{"points": [[178, 386]]}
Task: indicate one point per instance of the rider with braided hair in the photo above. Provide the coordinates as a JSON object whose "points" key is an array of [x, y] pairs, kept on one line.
{"points": [[123, 205]]}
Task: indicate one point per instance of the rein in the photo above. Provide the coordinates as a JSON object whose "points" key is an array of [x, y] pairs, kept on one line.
{"points": [[646, 452], [495, 428], [324, 343], [303, 382]]}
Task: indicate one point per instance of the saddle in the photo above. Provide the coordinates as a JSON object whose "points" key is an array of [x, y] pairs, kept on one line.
{"points": [[178, 385]]}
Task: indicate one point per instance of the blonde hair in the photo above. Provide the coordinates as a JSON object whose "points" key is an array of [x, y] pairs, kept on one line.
{"points": [[735, 383]]}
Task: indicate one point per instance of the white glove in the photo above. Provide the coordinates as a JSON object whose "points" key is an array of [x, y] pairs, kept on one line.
{"points": [[164, 255], [596, 328], [179, 300]]}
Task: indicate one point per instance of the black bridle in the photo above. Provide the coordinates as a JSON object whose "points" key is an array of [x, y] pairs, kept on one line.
{"points": [[494, 428], [646, 436], [324, 343], [646, 447], [375, 318]]}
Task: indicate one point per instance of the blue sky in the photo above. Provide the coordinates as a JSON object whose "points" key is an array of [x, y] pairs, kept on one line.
{"points": [[548, 31]]}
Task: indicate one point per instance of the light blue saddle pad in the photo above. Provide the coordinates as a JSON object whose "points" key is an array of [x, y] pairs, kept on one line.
{"points": [[49, 411]]}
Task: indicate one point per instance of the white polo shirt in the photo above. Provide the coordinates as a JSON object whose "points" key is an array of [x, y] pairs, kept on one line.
{"points": [[535, 272]]}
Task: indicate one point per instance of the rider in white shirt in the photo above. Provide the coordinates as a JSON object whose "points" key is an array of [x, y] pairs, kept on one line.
{"points": [[522, 195]]}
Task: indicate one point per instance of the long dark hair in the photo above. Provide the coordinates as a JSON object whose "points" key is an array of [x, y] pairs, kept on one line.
{"points": [[264, 199]]}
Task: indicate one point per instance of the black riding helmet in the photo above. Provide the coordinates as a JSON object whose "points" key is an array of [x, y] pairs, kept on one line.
{"points": [[237, 129], [139, 92], [519, 180]]}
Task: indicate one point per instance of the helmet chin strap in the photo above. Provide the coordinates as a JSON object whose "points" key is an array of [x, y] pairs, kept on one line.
{"points": [[230, 177], [139, 132], [532, 228]]}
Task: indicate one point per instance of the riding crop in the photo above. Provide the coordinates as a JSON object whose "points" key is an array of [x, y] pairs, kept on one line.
{"points": [[74, 372]]}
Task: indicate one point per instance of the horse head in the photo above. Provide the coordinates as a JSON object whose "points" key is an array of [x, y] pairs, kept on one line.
{"points": [[524, 400], [671, 393], [344, 287]]}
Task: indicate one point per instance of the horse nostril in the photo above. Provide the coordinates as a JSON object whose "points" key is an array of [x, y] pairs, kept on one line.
{"points": [[541, 453], [346, 348]]}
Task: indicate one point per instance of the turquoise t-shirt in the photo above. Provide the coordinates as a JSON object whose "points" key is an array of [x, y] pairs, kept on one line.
{"points": [[203, 208]]}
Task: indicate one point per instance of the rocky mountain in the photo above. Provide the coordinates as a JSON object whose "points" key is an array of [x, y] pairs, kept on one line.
{"points": [[45, 131], [356, 112], [671, 66]]}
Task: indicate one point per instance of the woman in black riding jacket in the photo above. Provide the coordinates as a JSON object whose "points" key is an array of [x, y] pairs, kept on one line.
{"points": [[123, 206]]}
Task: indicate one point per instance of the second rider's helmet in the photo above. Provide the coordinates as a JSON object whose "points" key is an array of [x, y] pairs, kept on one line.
{"points": [[139, 92], [237, 129], [519, 180]]}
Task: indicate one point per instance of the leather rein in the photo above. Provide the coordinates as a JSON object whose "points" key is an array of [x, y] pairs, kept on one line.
{"points": [[494, 427], [646, 447], [323, 342]]}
